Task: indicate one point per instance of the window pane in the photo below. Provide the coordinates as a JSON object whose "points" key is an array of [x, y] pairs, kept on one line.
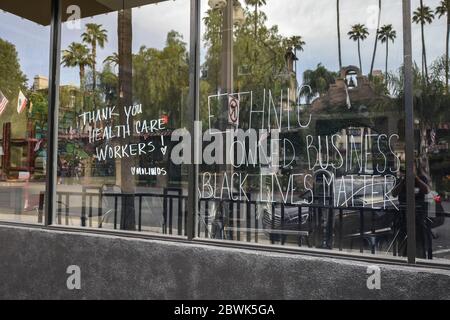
{"points": [[124, 90], [24, 52], [432, 129], [321, 141]]}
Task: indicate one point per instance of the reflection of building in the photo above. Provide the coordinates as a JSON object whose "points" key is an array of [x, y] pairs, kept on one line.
{"points": [[40, 83], [359, 105], [353, 108], [170, 264]]}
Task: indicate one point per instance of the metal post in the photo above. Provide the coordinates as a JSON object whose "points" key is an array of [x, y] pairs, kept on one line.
{"points": [[53, 98], [193, 116], [409, 133], [227, 53]]}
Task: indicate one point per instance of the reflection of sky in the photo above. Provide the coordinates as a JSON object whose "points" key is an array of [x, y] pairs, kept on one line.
{"points": [[312, 19], [31, 41]]}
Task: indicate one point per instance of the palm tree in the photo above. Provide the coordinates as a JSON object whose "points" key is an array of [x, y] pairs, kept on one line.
{"points": [[385, 34], [319, 81], [376, 39], [338, 9], [94, 35], [422, 16], [113, 59], [444, 10], [77, 55], [256, 4], [297, 43], [358, 33]]}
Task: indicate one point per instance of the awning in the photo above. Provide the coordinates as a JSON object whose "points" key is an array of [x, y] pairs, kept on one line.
{"points": [[39, 11]]}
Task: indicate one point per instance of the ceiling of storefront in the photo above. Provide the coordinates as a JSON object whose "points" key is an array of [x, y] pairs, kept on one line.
{"points": [[39, 11]]}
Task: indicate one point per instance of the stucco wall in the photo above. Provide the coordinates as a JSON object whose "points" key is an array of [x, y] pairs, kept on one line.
{"points": [[33, 264]]}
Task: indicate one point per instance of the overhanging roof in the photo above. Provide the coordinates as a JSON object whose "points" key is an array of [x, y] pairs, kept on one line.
{"points": [[39, 11]]}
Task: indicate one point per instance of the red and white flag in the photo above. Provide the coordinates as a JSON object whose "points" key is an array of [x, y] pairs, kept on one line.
{"points": [[21, 102], [3, 103]]}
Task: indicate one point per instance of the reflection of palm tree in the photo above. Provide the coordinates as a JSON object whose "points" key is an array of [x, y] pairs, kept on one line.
{"points": [[318, 82], [423, 15], [358, 33], [385, 34], [113, 59], [256, 4], [94, 35], [77, 55], [376, 39], [339, 33], [297, 43], [444, 10]]}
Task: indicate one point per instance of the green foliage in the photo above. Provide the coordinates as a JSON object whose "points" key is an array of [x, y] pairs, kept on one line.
{"points": [[423, 15], [387, 33], [443, 9], [358, 32], [77, 55], [12, 78], [319, 80], [39, 111], [259, 55], [161, 79]]}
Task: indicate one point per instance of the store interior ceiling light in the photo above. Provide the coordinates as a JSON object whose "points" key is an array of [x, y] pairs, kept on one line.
{"points": [[39, 11]]}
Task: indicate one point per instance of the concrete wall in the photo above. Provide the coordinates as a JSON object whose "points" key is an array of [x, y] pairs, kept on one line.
{"points": [[33, 264]]}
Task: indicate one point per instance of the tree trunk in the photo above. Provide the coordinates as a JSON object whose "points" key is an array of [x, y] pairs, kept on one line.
{"points": [[256, 30], [376, 40], [339, 33], [82, 74], [424, 49], [127, 183], [387, 57], [359, 55], [88, 166], [82, 88], [424, 54], [94, 71]]}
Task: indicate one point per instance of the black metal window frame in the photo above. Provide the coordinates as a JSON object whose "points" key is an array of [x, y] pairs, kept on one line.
{"points": [[193, 115]]}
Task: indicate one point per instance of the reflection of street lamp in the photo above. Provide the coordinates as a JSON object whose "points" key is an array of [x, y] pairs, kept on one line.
{"points": [[239, 17], [217, 4], [233, 14], [238, 12]]}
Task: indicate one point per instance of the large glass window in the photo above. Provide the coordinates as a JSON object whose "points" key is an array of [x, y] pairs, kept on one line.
{"points": [[24, 52], [303, 120], [432, 128], [300, 140], [124, 90]]}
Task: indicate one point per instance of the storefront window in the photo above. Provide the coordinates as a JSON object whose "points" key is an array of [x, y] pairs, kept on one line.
{"points": [[300, 138], [306, 99], [124, 89], [432, 129], [24, 48]]}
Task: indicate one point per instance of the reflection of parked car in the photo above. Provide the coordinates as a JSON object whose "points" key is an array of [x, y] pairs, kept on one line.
{"points": [[342, 217], [378, 218], [346, 222]]}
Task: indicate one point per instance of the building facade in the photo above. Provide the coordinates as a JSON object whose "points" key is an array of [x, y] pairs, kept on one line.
{"points": [[278, 134]]}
